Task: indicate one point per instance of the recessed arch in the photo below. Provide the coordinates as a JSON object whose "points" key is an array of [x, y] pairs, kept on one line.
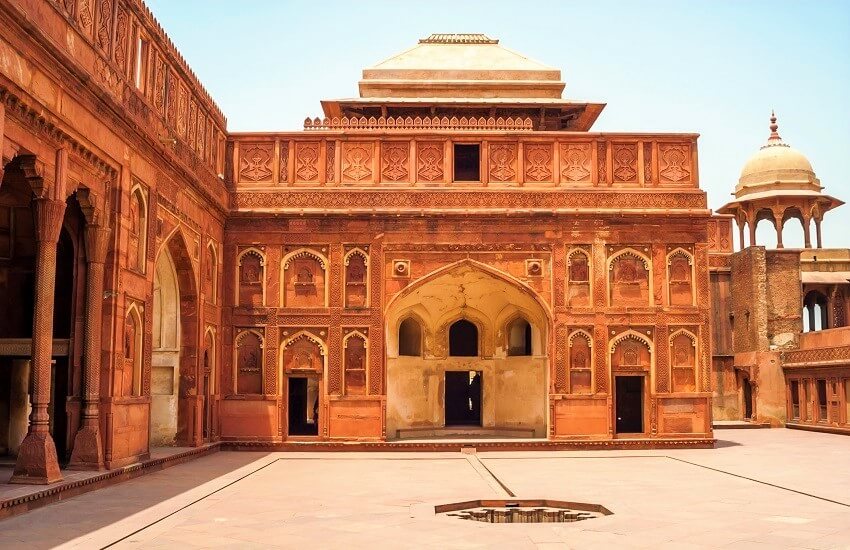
{"points": [[517, 336], [134, 348], [356, 291], [305, 279], [250, 278], [683, 360], [629, 277], [410, 341], [211, 273], [579, 281], [138, 215], [581, 374], [355, 347], [249, 362], [681, 274]]}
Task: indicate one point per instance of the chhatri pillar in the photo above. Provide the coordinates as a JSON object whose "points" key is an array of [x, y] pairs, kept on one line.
{"points": [[88, 448], [37, 461]]}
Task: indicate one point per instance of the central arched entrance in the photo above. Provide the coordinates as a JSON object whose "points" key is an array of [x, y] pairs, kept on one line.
{"points": [[467, 353]]}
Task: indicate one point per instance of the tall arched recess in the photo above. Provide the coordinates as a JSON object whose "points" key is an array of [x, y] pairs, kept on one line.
{"points": [[174, 369], [430, 389]]}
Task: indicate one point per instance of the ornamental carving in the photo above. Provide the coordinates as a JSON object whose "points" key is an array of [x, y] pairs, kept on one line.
{"points": [[625, 162], [674, 163], [647, 163], [356, 161], [283, 177], [430, 161], [306, 161], [503, 161], [84, 14], [121, 28], [538, 162], [255, 162], [602, 162], [576, 162], [330, 158], [104, 20], [394, 159]]}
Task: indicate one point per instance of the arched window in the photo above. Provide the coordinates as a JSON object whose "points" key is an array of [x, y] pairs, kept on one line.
{"points": [[410, 338], [251, 282], [815, 311], [137, 246], [356, 270], [683, 360], [519, 337], [304, 279], [679, 278], [628, 277], [211, 273], [463, 339], [578, 285], [132, 376], [581, 362]]}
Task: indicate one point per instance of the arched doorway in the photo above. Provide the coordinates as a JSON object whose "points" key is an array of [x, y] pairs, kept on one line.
{"points": [[453, 358], [174, 362]]}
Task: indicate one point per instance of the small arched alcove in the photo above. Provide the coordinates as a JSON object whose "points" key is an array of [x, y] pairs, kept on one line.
{"points": [[463, 339]]}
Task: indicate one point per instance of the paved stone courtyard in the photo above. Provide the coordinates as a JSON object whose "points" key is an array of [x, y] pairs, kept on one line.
{"points": [[759, 489]]}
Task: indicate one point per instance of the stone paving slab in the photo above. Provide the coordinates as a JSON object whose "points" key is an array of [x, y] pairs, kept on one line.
{"points": [[759, 489]]}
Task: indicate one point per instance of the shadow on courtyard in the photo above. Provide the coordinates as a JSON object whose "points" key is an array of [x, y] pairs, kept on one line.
{"points": [[69, 520], [721, 443]]}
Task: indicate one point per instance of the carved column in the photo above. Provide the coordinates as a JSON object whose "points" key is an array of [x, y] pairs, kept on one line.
{"points": [[88, 451], [752, 227], [807, 237], [817, 232], [37, 461], [777, 223]]}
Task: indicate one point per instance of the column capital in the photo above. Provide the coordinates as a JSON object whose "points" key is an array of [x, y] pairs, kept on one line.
{"points": [[49, 214], [97, 243]]}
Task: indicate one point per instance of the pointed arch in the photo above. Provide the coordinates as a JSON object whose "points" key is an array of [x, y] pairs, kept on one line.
{"points": [[681, 274], [684, 356], [624, 285], [133, 349], [248, 362], [296, 288], [211, 357], [517, 335], [356, 289], [250, 278], [410, 342], [211, 273], [581, 374], [631, 351], [138, 215]]}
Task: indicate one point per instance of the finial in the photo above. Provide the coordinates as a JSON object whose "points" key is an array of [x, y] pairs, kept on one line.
{"points": [[774, 136]]}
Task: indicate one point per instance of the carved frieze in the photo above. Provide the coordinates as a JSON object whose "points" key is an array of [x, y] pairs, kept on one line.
{"points": [[576, 162], [306, 161], [625, 162]]}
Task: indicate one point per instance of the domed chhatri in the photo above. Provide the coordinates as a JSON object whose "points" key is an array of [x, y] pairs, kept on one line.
{"points": [[778, 183]]}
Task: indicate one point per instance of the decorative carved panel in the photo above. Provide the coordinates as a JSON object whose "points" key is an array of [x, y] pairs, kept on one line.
{"points": [[356, 161], [255, 162], [625, 162], [430, 161], [538, 162], [647, 163], [602, 162], [674, 163], [630, 353], [356, 280], [394, 160], [502, 159], [306, 161], [576, 162], [330, 158], [283, 169]]}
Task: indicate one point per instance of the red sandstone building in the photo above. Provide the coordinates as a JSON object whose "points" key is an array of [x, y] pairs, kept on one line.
{"points": [[453, 252]]}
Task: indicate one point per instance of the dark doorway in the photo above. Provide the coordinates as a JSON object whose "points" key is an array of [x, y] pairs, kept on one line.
{"points": [[463, 339], [467, 162], [629, 404], [303, 406], [463, 398], [748, 399]]}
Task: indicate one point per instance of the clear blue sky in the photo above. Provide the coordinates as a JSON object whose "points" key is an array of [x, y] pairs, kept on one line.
{"points": [[712, 67]]}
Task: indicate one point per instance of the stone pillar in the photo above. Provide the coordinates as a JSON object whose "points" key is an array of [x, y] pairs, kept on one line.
{"points": [[777, 223], [88, 450], [37, 461], [817, 232], [807, 237], [741, 235], [752, 233]]}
